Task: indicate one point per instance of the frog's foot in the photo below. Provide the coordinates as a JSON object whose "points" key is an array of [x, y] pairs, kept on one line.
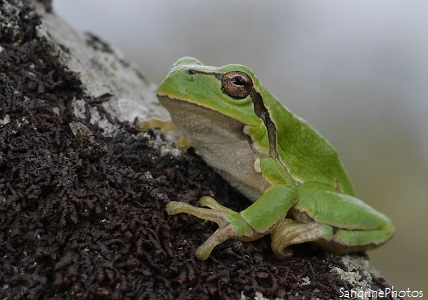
{"points": [[289, 232], [231, 224]]}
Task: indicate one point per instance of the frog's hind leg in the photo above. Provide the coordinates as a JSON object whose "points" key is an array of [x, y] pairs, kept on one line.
{"points": [[339, 241], [335, 221]]}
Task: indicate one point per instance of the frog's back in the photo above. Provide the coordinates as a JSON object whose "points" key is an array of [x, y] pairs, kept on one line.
{"points": [[307, 155]]}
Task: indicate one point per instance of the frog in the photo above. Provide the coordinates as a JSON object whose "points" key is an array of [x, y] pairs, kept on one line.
{"points": [[298, 187]]}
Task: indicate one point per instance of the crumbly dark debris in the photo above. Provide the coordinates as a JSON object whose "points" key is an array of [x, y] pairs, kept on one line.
{"points": [[85, 218]]}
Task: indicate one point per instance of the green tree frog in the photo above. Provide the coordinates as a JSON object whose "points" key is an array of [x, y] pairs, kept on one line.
{"points": [[299, 188]]}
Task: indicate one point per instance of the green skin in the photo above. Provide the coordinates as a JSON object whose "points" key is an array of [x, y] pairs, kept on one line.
{"points": [[300, 190]]}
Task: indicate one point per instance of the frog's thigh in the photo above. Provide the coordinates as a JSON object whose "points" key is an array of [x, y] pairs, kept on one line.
{"points": [[354, 225]]}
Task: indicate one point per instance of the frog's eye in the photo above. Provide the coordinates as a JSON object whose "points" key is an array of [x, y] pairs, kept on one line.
{"points": [[237, 84]]}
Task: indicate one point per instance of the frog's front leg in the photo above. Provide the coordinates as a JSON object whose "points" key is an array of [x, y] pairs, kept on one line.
{"points": [[337, 222], [249, 225], [217, 213]]}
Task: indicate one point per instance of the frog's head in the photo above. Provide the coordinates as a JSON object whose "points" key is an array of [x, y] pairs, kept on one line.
{"points": [[229, 90]]}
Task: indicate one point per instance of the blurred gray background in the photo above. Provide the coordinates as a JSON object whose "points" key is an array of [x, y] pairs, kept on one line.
{"points": [[356, 70]]}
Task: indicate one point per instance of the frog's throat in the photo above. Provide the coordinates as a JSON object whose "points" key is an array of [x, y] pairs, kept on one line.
{"points": [[189, 115]]}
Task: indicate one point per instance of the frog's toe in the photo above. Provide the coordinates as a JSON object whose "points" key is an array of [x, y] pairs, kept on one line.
{"points": [[289, 232], [219, 236], [211, 203], [156, 122], [209, 214]]}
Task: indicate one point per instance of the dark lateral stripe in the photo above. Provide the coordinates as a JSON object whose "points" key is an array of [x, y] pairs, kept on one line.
{"points": [[262, 113], [216, 75]]}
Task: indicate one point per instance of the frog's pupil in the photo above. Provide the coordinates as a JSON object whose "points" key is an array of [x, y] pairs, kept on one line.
{"points": [[238, 80]]}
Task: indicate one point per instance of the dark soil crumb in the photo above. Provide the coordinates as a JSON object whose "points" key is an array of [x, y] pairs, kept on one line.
{"points": [[84, 217]]}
